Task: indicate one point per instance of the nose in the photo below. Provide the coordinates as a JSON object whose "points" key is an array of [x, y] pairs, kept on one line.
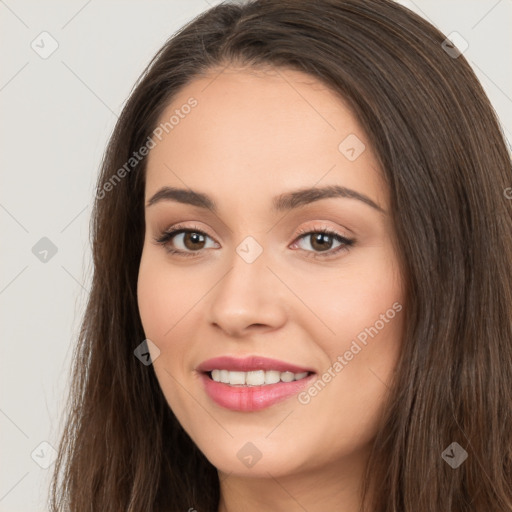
{"points": [[248, 298]]}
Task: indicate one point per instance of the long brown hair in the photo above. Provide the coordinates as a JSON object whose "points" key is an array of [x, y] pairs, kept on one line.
{"points": [[444, 157]]}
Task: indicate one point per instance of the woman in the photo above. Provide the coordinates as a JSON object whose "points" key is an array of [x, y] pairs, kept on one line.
{"points": [[302, 222]]}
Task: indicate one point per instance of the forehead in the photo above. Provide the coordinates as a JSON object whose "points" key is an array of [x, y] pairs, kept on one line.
{"points": [[261, 130]]}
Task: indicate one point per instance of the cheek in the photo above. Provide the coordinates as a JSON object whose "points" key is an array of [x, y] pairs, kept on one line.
{"points": [[153, 301], [366, 314], [356, 299], [363, 311], [164, 296], [165, 307]]}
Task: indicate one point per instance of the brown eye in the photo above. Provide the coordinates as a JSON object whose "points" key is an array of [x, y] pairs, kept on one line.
{"points": [[185, 242], [321, 243], [193, 240]]}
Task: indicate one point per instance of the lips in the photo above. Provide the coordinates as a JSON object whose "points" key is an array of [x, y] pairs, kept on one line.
{"points": [[250, 398]]}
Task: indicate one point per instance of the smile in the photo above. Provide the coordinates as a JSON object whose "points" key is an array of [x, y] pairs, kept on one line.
{"points": [[255, 378]]}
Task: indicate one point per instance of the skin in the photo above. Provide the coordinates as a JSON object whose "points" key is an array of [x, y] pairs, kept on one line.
{"points": [[252, 136]]}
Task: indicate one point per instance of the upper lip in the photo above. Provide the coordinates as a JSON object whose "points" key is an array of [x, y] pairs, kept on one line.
{"points": [[250, 363]]}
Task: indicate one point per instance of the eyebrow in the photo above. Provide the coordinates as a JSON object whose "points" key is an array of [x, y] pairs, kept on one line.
{"points": [[283, 202]]}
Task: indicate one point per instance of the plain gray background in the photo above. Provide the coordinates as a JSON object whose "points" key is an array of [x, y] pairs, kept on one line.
{"points": [[57, 114]]}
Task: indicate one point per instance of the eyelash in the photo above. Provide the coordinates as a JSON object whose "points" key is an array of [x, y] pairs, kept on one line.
{"points": [[167, 236]]}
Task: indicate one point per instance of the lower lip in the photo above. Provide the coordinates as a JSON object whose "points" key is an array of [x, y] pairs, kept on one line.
{"points": [[251, 398]]}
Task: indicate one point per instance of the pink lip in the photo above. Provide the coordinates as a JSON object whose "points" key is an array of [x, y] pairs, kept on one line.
{"points": [[248, 364], [250, 398]]}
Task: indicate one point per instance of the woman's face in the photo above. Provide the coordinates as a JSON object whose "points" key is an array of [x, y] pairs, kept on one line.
{"points": [[249, 282]]}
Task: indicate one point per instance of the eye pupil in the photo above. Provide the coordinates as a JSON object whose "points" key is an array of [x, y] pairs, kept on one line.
{"points": [[323, 240], [194, 238]]}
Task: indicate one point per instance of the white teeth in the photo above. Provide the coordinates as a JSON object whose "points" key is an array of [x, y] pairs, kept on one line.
{"points": [[287, 377], [272, 377], [237, 378], [255, 378]]}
